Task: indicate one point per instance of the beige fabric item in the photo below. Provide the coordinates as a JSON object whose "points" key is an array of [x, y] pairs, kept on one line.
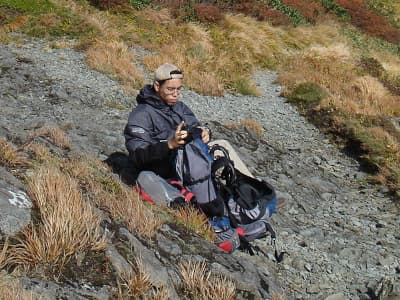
{"points": [[164, 73], [239, 164]]}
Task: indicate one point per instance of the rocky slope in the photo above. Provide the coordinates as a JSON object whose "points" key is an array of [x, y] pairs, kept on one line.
{"points": [[341, 235]]}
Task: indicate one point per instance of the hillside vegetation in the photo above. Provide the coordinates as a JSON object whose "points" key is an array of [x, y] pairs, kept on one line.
{"points": [[338, 60]]}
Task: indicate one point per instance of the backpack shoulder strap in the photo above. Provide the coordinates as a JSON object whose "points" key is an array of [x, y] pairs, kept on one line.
{"points": [[223, 163]]}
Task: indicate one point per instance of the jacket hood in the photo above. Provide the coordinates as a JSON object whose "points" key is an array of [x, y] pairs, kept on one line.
{"points": [[148, 95]]}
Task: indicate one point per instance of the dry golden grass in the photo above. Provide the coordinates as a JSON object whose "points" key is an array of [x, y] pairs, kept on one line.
{"points": [[276, 296], [10, 157], [199, 283], [4, 255], [114, 57], [11, 289], [40, 152], [95, 18], [250, 124], [137, 284], [55, 134], [195, 221], [390, 62], [16, 24], [316, 67], [108, 193], [107, 53], [68, 224], [127, 206], [365, 96]]}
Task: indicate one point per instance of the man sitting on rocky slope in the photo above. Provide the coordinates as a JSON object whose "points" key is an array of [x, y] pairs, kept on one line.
{"points": [[156, 128]]}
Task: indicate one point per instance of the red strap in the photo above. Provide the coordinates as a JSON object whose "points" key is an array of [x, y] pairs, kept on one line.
{"points": [[226, 246], [143, 194], [188, 195]]}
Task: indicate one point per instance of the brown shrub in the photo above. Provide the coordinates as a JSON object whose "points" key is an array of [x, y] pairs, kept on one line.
{"points": [[275, 17], [108, 4], [369, 21], [309, 9], [262, 12], [207, 13]]}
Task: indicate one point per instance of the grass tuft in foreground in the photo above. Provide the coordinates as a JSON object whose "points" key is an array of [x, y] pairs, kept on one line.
{"points": [[10, 157], [137, 285], [195, 221], [200, 283], [67, 223]]}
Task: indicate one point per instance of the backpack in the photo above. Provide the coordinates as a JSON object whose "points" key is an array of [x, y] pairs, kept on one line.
{"points": [[193, 168], [250, 202]]}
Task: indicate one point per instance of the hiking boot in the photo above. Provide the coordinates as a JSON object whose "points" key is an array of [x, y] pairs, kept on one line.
{"points": [[220, 224], [178, 202], [227, 237], [228, 240]]}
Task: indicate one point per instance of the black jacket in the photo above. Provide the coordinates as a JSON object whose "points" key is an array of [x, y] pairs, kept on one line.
{"points": [[150, 125]]}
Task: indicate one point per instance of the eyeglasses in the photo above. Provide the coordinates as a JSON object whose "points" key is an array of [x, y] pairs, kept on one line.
{"points": [[171, 90]]}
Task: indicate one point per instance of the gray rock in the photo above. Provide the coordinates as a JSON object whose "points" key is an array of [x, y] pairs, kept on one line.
{"points": [[52, 290], [168, 246], [338, 296], [120, 265], [158, 273], [15, 205]]}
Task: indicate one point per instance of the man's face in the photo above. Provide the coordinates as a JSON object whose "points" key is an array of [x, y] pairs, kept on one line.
{"points": [[169, 91]]}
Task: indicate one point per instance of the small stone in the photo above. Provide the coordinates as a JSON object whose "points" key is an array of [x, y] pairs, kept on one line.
{"points": [[338, 296], [313, 289], [308, 267]]}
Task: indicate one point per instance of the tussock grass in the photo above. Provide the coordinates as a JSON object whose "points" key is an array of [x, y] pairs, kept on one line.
{"points": [[55, 134], [199, 283], [68, 224], [137, 284], [365, 96], [195, 221], [40, 152], [93, 18], [10, 157], [123, 203], [4, 255], [130, 209], [115, 58], [315, 65], [12, 290], [249, 124]]}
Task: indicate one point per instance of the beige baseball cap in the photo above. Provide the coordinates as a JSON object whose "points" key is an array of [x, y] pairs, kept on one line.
{"points": [[166, 72]]}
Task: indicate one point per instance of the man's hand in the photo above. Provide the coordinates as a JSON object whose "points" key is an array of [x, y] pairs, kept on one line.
{"points": [[205, 135], [179, 137]]}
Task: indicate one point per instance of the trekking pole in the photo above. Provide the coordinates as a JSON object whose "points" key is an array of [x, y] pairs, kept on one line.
{"points": [[278, 257]]}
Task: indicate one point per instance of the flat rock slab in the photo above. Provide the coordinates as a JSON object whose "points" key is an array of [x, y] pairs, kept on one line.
{"points": [[15, 205]]}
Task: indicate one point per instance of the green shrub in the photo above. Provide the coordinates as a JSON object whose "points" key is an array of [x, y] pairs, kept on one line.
{"points": [[339, 11], [31, 6], [139, 4], [307, 93], [245, 87]]}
